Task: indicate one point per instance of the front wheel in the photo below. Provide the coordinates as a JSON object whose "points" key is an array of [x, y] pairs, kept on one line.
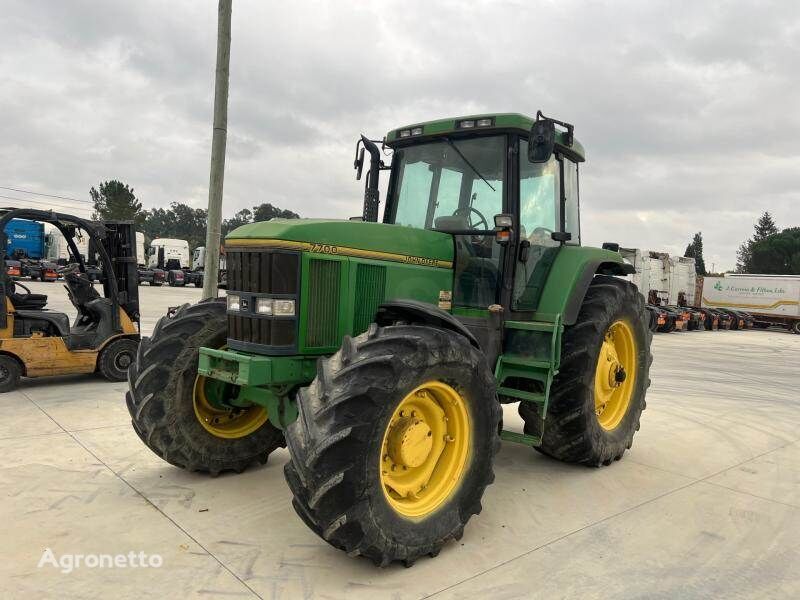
{"points": [[186, 418], [394, 443], [116, 357], [598, 396]]}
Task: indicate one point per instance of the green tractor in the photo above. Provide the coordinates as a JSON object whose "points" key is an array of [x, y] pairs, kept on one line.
{"points": [[381, 354]]}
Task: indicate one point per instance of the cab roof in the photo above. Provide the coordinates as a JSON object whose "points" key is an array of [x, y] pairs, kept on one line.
{"points": [[470, 124]]}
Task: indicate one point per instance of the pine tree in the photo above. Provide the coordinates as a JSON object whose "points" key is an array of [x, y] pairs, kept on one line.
{"points": [[763, 228], [695, 250]]}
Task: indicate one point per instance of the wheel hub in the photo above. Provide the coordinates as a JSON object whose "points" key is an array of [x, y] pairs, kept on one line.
{"points": [[219, 420], [425, 449], [410, 442], [613, 387]]}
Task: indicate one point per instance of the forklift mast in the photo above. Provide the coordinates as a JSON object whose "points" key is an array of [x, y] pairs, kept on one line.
{"points": [[120, 244]]}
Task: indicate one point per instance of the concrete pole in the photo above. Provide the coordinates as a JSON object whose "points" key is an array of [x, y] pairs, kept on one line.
{"points": [[220, 137]]}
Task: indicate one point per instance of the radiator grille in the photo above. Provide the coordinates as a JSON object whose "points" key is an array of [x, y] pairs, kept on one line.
{"points": [[370, 292], [323, 303], [262, 272]]}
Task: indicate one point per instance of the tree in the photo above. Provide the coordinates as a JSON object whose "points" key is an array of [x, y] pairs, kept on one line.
{"points": [[243, 217], [178, 221], [116, 201], [695, 250], [265, 212], [764, 227], [777, 254]]}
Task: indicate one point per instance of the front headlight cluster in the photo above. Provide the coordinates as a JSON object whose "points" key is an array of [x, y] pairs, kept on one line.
{"points": [[264, 306]]}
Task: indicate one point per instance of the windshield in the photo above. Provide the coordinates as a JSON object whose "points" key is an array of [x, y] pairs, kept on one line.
{"points": [[450, 185]]}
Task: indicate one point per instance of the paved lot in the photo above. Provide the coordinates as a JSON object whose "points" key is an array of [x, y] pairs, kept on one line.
{"points": [[707, 503]]}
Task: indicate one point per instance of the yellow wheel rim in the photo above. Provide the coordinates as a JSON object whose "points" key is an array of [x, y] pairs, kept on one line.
{"points": [[425, 449], [615, 375], [220, 422]]}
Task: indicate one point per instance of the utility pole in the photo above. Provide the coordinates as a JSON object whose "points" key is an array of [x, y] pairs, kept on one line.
{"points": [[219, 139]]}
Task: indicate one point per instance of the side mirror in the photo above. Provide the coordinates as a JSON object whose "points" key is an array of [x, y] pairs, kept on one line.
{"points": [[542, 141]]}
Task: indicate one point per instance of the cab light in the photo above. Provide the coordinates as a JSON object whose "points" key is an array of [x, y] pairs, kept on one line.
{"points": [[284, 308], [233, 302], [264, 306], [468, 124], [484, 123], [416, 131], [405, 133]]}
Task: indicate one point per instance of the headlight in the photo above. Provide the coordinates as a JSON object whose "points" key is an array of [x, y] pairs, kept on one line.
{"points": [[284, 308], [264, 306], [233, 302]]}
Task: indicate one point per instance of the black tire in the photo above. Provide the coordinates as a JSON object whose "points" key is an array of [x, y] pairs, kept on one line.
{"points": [[116, 357], [161, 394], [335, 444], [10, 373], [572, 432], [795, 327]]}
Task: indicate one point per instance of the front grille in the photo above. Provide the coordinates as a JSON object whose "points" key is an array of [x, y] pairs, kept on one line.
{"points": [[323, 303], [270, 273], [370, 292]]}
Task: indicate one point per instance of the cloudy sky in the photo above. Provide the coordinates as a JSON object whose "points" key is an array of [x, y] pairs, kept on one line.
{"points": [[689, 111]]}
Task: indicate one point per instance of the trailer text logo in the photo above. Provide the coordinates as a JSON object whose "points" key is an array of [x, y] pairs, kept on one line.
{"points": [[67, 563], [755, 290]]}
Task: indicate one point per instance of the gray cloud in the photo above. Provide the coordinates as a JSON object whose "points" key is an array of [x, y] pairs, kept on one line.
{"points": [[688, 110]]}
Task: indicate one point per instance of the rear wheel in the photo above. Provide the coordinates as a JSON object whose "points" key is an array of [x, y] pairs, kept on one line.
{"points": [[599, 393], [795, 328], [10, 373], [184, 417], [394, 443], [116, 357]]}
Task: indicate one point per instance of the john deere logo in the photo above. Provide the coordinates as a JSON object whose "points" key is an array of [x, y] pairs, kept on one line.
{"points": [[718, 286]]}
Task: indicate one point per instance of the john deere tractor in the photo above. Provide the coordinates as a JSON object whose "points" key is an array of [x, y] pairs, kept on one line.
{"points": [[380, 353]]}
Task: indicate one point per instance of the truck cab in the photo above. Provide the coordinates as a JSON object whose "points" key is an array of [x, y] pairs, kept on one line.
{"points": [[168, 253]]}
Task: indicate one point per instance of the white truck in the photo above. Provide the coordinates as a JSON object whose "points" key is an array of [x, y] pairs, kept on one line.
{"points": [[168, 253], [771, 299], [182, 277], [682, 280], [652, 274]]}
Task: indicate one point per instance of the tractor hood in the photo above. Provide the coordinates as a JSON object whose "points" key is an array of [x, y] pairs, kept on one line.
{"points": [[380, 241]]}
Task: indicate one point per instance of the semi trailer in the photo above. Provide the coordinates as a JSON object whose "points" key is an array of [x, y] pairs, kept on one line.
{"points": [[769, 299]]}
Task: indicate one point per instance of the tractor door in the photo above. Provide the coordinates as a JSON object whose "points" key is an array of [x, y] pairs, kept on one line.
{"points": [[541, 213], [457, 186]]}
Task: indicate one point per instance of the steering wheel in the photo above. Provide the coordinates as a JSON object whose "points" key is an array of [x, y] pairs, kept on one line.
{"points": [[479, 224], [467, 212], [24, 287]]}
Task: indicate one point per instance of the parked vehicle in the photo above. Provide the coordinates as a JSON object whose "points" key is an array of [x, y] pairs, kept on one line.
{"points": [[195, 275], [711, 319], [355, 345], [168, 253], [154, 276], [26, 239], [38, 342], [770, 299]]}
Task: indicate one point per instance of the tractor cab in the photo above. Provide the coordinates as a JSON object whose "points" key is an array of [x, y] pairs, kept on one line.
{"points": [[36, 341], [476, 176]]}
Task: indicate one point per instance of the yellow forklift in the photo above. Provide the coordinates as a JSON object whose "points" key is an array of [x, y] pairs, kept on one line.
{"points": [[38, 342]]}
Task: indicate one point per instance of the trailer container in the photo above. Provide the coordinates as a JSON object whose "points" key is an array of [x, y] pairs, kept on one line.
{"points": [[770, 299]]}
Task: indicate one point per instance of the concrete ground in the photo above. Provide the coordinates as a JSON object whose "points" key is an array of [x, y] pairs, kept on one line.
{"points": [[705, 505]]}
